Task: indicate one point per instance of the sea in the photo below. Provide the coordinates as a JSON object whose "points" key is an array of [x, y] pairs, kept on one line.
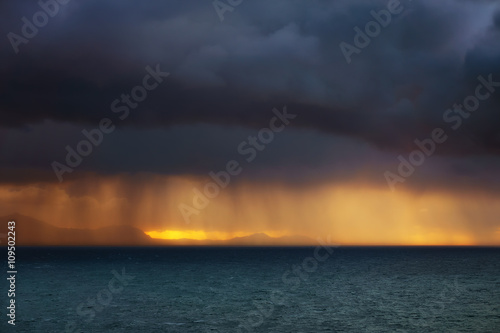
{"points": [[254, 289]]}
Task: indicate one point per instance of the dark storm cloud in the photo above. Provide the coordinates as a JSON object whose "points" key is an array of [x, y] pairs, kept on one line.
{"points": [[295, 157], [263, 55]]}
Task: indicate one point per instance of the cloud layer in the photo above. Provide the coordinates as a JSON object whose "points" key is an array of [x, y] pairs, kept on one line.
{"points": [[227, 76]]}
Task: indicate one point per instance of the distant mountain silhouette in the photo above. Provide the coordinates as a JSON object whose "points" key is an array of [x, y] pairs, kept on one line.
{"points": [[30, 231], [263, 239], [33, 232]]}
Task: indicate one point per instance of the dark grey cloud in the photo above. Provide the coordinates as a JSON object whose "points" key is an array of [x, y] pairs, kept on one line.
{"points": [[296, 157], [232, 73]]}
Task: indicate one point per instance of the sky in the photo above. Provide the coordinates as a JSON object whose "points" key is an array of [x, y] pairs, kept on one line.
{"points": [[372, 122]]}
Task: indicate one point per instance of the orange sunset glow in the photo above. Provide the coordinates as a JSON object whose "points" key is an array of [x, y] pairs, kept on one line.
{"points": [[203, 235], [349, 214]]}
